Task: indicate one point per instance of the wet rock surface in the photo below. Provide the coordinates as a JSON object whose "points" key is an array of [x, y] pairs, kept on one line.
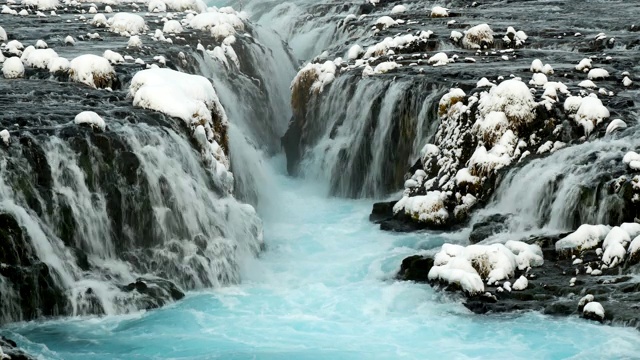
{"points": [[10, 348]]}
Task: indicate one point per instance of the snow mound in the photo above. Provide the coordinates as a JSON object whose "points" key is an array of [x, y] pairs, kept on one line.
{"points": [[127, 24], [193, 99], [632, 159], [584, 65], [398, 9], [90, 118], [134, 42], [3, 34], [586, 237], [538, 79], [187, 5], [354, 52], [536, 66], [590, 113], [156, 6], [12, 68], [439, 59], [491, 127], [319, 75], [381, 68], [527, 255], [41, 44], [40, 58], [478, 37], [520, 284], [92, 70], [615, 246], [385, 22]]}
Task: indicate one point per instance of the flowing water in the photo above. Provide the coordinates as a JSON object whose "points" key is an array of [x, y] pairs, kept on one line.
{"points": [[324, 289]]}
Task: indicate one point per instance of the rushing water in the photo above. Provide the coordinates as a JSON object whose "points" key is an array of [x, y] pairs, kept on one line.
{"points": [[324, 289]]}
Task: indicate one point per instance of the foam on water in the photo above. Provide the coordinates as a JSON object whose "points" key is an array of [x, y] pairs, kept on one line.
{"points": [[324, 289]]}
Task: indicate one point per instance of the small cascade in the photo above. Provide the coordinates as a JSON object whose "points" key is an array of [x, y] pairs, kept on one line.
{"points": [[362, 143], [582, 184]]}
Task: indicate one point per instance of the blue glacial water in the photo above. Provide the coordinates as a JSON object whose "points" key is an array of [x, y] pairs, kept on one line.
{"points": [[324, 289]]}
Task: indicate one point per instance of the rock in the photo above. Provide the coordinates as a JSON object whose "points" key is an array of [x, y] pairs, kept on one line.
{"points": [[10, 348], [155, 292], [415, 268], [488, 226]]}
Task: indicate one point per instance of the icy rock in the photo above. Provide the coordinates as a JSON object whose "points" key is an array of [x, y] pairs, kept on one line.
{"points": [[90, 118], [92, 70], [616, 124], [521, 283], [12, 68]]}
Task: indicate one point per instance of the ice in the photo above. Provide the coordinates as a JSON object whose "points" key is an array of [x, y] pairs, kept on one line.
{"points": [[90, 118], [615, 125], [12, 68]]}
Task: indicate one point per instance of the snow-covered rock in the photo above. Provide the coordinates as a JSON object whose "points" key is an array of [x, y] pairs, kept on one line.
{"points": [[90, 118], [92, 70], [127, 24], [42, 4], [40, 58], [58, 64], [593, 310], [12, 68], [616, 124], [355, 52], [584, 65], [520, 284], [584, 238], [41, 44], [511, 97], [429, 208], [113, 57], [218, 23], [69, 40], [3, 34], [172, 27], [632, 159], [134, 42], [385, 22], [398, 9], [598, 74], [5, 136], [478, 37], [438, 59]]}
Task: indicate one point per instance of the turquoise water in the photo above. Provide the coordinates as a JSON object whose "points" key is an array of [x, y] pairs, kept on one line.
{"points": [[324, 289]]}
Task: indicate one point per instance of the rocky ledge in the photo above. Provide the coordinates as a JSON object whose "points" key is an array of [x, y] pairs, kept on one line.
{"points": [[554, 274]]}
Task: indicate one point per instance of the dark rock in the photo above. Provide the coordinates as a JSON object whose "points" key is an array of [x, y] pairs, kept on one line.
{"points": [[10, 348], [382, 211], [488, 226], [415, 268]]}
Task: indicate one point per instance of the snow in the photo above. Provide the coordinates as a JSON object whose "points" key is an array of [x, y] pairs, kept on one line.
{"points": [[398, 9], [594, 308], [484, 82], [616, 124], [323, 75], [590, 113], [3, 34], [626, 81], [584, 238], [425, 208], [69, 40], [99, 20], [14, 47], [614, 246], [58, 64], [187, 5], [527, 255], [483, 162], [5, 136], [385, 22], [584, 65], [156, 6], [90, 118], [113, 57], [463, 176], [40, 58], [597, 74], [12, 68], [439, 11], [172, 27], [631, 228], [538, 79], [632, 159], [381, 68], [536, 66], [572, 104], [491, 127], [521, 284], [127, 24], [478, 37], [41, 4], [439, 59], [511, 97], [634, 247], [456, 35], [134, 42], [354, 52], [191, 98], [428, 151], [547, 69], [88, 68], [41, 44], [217, 23], [588, 84]]}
